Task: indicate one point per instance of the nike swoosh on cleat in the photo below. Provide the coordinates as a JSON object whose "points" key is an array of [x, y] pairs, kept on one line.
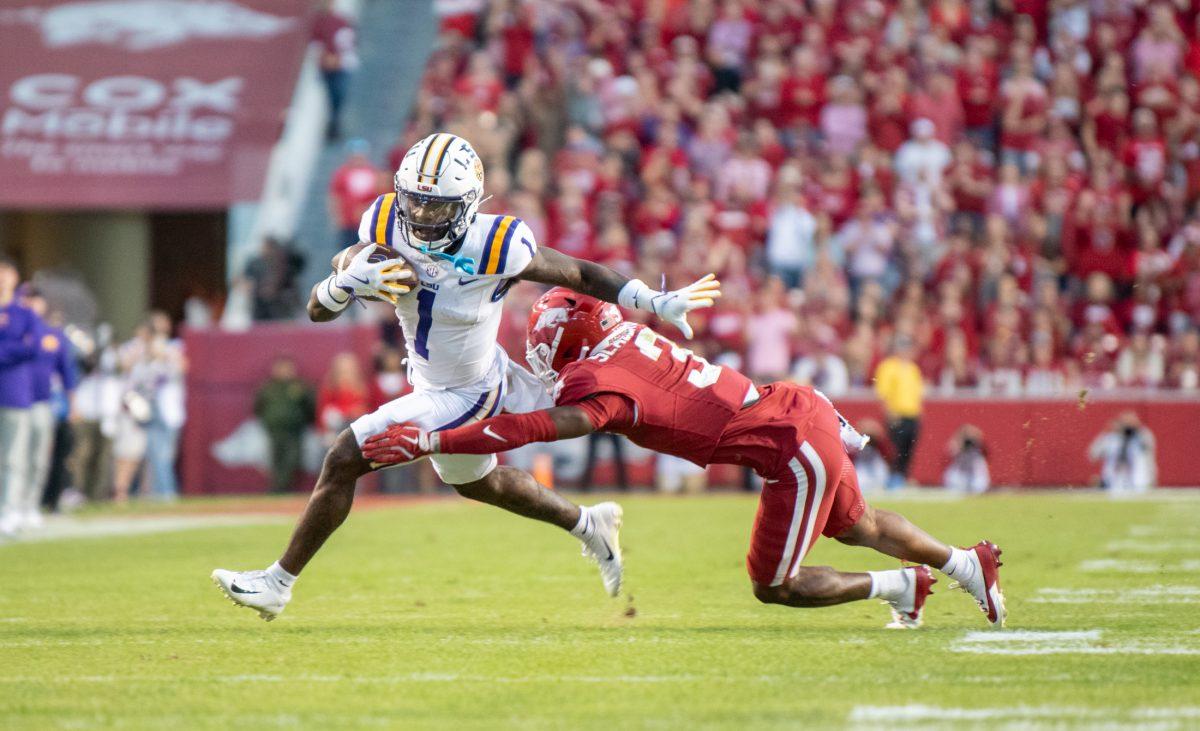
{"points": [[239, 590], [606, 548]]}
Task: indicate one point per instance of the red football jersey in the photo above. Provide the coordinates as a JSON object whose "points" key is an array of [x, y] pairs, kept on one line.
{"points": [[681, 403]]}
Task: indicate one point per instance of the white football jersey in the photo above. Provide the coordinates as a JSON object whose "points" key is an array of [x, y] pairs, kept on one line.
{"points": [[451, 321]]}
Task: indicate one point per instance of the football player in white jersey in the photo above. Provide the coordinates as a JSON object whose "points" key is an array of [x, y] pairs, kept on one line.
{"points": [[465, 262]]}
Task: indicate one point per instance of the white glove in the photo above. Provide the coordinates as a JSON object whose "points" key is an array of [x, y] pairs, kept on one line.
{"points": [[367, 279], [675, 305]]}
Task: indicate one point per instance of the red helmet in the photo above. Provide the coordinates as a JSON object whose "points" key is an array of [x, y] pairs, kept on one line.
{"points": [[563, 327]]}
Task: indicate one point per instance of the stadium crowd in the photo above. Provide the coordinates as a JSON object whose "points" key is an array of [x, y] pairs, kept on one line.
{"points": [[1011, 187]]}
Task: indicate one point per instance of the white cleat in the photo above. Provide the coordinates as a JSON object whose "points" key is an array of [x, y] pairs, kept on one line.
{"points": [[604, 547], [255, 590], [984, 585], [10, 524], [908, 611]]}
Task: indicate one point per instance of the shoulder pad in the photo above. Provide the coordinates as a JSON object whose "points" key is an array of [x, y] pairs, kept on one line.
{"points": [[508, 247], [379, 222]]}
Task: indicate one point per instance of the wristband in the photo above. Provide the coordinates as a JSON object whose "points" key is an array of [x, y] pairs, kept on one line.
{"points": [[326, 297], [636, 295], [435, 442]]}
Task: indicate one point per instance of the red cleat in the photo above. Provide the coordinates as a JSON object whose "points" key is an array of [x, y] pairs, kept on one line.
{"points": [[985, 584], [906, 612]]}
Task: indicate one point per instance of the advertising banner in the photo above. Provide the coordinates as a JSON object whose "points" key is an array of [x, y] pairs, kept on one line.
{"points": [[160, 104]]}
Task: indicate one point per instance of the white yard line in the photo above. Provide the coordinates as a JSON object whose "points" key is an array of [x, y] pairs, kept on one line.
{"points": [[919, 716], [66, 528], [1158, 594], [1138, 566], [1083, 642], [1138, 546]]}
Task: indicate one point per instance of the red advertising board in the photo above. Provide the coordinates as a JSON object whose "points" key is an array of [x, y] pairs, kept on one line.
{"points": [[225, 371], [143, 103]]}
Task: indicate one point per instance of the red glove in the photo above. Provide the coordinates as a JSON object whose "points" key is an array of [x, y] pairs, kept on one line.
{"points": [[400, 444]]}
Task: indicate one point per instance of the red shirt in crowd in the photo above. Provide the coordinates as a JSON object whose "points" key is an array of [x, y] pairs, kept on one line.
{"points": [[354, 186]]}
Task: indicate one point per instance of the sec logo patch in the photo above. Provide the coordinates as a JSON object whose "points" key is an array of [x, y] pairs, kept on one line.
{"points": [[50, 343]]}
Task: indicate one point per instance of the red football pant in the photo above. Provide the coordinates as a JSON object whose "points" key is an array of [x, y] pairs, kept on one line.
{"points": [[815, 493]]}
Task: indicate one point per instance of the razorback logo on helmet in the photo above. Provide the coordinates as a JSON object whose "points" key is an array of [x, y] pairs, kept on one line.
{"points": [[551, 317]]}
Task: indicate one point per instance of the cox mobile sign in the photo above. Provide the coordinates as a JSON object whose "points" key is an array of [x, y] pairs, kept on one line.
{"points": [[143, 103]]}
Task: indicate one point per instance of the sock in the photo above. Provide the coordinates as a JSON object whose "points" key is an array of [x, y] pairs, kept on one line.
{"points": [[959, 567], [888, 585], [586, 527], [277, 572]]}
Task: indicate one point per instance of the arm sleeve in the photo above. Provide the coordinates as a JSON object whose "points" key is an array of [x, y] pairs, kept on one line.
{"points": [[21, 345], [498, 434]]}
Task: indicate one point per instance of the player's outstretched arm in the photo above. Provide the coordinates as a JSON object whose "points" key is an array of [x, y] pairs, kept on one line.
{"points": [[407, 442], [555, 268]]}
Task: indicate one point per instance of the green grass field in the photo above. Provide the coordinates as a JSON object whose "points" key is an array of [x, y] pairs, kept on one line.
{"points": [[457, 615]]}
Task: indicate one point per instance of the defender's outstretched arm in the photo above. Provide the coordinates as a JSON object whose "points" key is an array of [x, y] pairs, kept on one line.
{"points": [[555, 268], [407, 442]]}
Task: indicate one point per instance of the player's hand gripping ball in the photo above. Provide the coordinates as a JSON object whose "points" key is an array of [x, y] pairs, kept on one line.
{"points": [[375, 272]]}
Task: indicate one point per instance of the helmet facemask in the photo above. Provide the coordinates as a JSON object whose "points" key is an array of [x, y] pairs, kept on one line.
{"points": [[540, 358], [432, 221]]}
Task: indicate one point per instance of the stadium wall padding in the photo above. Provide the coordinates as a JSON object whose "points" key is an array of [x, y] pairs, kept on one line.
{"points": [[225, 370]]}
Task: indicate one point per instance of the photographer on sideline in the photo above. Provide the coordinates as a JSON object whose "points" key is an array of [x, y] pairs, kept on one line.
{"points": [[1126, 452], [968, 469]]}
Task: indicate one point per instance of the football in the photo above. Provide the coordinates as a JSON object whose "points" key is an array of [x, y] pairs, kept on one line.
{"points": [[380, 253]]}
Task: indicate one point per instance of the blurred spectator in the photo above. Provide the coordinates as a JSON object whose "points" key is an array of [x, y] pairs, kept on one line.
{"points": [[337, 40], [342, 397], [899, 385], [285, 406], [769, 355], [1141, 363], [924, 157], [617, 442], [791, 232], [95, 414], [968, 469], [390, 381], [19, 330], [823, 368], [166, 396], [273, 276], [1126, 454], [871, 462], [54, 377], [354, 186], [135, 363]]}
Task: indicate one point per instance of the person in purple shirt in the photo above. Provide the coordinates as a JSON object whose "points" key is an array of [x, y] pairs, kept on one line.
{"points": [[52, 373], [18, 348]]}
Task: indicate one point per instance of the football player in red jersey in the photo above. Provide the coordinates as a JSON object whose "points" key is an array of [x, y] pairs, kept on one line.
{"points": [[625, 378]]}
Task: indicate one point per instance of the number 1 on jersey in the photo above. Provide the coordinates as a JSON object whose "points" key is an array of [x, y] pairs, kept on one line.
{"points": [[425, 299], [706, 375]]}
